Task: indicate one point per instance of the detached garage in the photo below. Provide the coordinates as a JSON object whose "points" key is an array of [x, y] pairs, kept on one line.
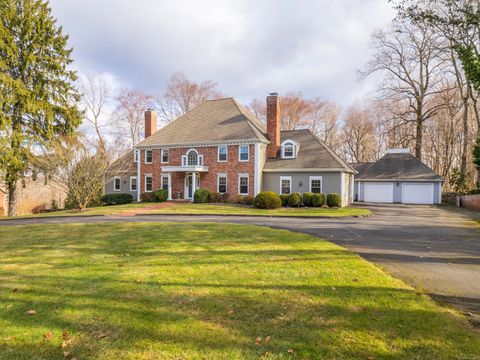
{"points": [[398, 177]]}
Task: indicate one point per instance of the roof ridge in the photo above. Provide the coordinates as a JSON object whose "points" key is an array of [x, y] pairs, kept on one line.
{"points": [[250, 123], [337, 158]]}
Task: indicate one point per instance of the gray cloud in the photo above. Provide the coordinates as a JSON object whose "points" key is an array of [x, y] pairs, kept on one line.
{"points": [[249, 47]]}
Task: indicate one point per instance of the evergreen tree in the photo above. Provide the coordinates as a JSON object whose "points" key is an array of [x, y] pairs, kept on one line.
{"points": [[37, 93]]}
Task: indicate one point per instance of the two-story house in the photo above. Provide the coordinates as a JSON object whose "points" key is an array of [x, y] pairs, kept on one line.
{"points": [[223, 147]]}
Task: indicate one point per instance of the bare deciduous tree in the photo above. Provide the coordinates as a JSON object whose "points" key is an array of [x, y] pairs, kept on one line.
{"points": [[182, 95]]}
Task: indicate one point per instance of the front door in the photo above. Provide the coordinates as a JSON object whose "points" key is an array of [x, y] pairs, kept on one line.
{"points": [[189, 185]]}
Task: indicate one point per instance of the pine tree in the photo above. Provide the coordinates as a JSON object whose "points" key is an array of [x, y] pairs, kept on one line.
{"points": [[37, 93]]}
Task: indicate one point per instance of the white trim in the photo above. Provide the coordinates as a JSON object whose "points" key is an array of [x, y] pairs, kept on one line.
{"points": [[145, 183], [289, 178], [295, 147], [205, 144], [256, 171], [139, 184], [439, 194], [342, 187], [218, 153], [161, 156], [115, 178], [197, 168], [239, 152], [400, 180], [219, 175], [195, 185], [166, 176], [133, 177], [310, 178], [169, 186], [248, 183], [135, 155], [145, 157], [314, 170]]}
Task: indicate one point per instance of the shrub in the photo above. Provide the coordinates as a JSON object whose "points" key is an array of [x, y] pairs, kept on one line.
{"points": [[333, 200], [473, 192], [267, 200], [318, 200], [247, 200], [307, 199], [295, 199], [449, 198], [284, 198], [115, 199], [147, 197], [215, 197], [160, 195], [202, 196]]}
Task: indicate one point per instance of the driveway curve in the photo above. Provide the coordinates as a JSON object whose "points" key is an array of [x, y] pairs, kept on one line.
{"points": [[435, 249]]}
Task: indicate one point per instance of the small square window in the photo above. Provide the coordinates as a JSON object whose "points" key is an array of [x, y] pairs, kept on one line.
{"points": [[316, 185], [148, 184], [285, 185], [243, 152], [288, 151], [222, 184], [148, 156], [164, 155], [222, 153]]}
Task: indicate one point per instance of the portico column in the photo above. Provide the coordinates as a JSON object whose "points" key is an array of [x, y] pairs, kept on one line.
{"points": [[194, 185], [169, 186]]}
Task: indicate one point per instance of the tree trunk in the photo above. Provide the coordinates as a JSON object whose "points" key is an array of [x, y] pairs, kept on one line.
{"points": [[12, 199], [419, 136], [463, 165]]}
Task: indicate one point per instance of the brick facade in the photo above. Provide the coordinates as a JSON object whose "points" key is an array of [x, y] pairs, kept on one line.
{"points": [[208, 180]]}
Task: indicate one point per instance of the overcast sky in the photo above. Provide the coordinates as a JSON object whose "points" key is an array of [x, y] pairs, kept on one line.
{"points": [[248, 47]]}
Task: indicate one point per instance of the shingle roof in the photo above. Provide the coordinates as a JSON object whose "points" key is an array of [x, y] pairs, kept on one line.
{"points": [[402, 166], [312, 154], [212, 121], [124, 164]]}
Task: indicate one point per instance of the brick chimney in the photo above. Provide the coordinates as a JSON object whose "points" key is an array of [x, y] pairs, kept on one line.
{"points": [[273, 125], [150, 122]]}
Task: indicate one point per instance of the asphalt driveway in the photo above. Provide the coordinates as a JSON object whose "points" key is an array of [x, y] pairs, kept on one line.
{"points": [[435, 249]]}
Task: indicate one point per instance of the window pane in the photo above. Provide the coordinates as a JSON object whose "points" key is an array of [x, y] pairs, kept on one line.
{"points": [[133, 184], [148, 156], [285, 186], [316, 185], [222, 153], [135, 155], [117, 184], [244, 152], [288, 151], [192, 158], [148, 183], [165, 183], [244, 185], [165, 155], [222, 184]]}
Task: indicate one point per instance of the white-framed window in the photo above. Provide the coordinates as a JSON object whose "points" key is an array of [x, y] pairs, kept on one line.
{"points": [[148, 156], [165, 154], [222, 153], [222, 183], [289, 149], [243, 152], [243, 184], [165, 183], [315, 185], [135, 155], [117, 183], [285, 185], [148, 183], [133, 183]]}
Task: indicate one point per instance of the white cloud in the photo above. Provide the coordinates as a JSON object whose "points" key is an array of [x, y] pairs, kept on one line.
{"points": [[249, 47]]}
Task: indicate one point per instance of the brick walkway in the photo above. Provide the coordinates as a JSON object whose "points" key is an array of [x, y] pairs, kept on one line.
{"points": [[146, 209]]}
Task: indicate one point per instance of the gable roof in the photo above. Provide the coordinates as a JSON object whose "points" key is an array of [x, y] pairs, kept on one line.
{"points": [[396, 166], [312, 154], [211, 121], [123, 164]]}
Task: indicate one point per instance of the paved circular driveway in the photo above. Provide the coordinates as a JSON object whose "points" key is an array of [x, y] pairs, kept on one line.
{"points": [[435, 249]]}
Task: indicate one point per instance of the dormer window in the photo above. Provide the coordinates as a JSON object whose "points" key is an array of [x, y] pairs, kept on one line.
{"points": [[289, 149]]}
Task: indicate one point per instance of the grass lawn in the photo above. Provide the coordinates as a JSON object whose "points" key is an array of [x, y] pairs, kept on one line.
{"points": [[208, 291], [221, 209]]}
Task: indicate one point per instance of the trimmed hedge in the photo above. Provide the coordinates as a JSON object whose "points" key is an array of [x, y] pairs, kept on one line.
{"points": [[116, 199], [248, 200], [308, 199], [318, 200], [202, 196], [267, 200], [334, 200], [160, 195], [295, 199], [284, 198]]}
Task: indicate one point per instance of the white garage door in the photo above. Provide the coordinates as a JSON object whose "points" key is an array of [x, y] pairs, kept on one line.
{"points": [[378, 192], [417, 193]]}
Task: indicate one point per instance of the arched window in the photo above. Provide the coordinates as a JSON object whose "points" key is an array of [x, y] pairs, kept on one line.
{"points": [[192, 158], [289, 149]]}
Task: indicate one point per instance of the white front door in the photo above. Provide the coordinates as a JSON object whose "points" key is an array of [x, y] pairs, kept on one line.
{"points": [[189, 186], [417, 193], [378, 192]]}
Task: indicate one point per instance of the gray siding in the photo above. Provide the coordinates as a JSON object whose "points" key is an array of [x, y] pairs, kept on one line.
{"points": [[125, 185], [331, 182], [397, 190]]}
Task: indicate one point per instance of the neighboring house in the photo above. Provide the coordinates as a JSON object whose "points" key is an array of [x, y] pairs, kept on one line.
{"points": [[398, 177], [223, 147]]}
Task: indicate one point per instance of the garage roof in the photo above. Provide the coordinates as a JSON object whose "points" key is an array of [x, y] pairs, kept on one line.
{"points": [[396, 166]]}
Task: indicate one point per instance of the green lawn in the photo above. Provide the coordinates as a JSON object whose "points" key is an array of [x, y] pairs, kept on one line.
{"points": [[208, 291], [221, 209]]}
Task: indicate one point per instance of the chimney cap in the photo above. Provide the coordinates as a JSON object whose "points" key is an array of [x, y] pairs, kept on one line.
{"points": [[273, 94], [150, 109]]}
